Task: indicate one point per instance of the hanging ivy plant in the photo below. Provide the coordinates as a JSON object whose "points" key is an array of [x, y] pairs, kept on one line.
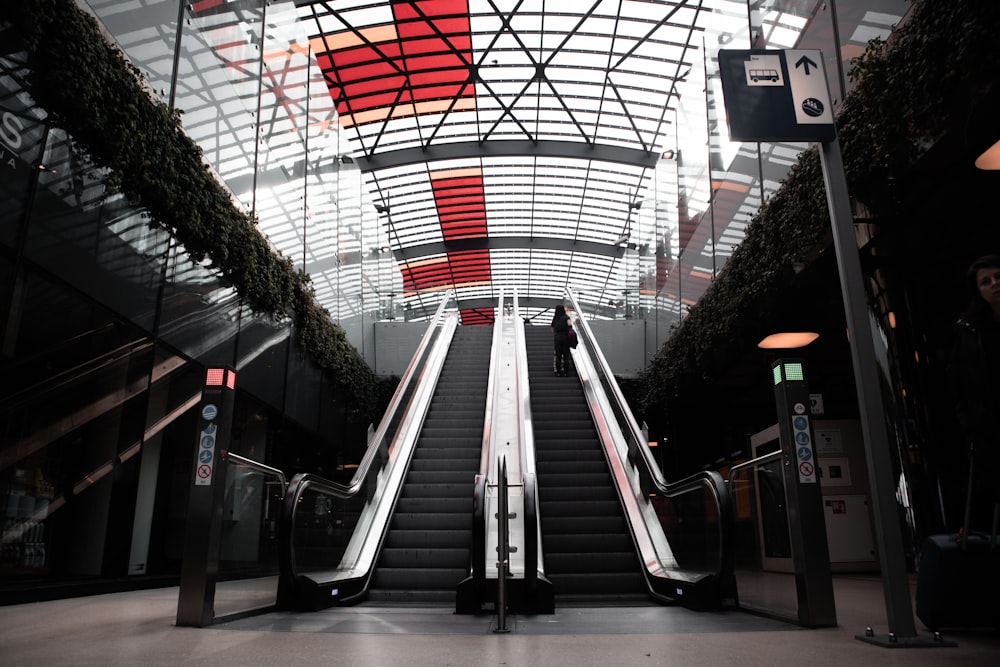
{"points": [[910, 89], [92, 92]]}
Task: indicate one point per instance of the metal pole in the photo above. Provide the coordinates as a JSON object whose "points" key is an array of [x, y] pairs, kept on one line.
{"points": [[502, 548], [888, 534]]}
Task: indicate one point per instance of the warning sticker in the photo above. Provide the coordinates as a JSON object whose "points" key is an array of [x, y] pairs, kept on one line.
{"points": [[804, 449], [206, 454]]}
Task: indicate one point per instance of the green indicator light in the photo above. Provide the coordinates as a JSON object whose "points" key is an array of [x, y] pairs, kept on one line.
{"points": [[794, 372]]}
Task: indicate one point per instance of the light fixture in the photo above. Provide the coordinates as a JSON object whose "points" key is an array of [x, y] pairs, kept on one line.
{"points": [[787, 340], [382, 208], [990, 159], [621, 239], [668, 155]]}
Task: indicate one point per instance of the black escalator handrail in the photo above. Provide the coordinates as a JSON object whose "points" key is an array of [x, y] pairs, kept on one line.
{"points": [[651, 479], [293, 494]]}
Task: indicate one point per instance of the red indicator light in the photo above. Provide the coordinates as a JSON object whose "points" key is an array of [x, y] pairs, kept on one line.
{"points": [[231, 380], [214, 377]]}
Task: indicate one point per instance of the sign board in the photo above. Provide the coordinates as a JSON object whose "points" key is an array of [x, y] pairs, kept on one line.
{"points": [[773, 95]]}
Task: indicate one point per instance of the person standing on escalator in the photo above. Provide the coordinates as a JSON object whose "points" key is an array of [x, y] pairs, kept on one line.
{"points": [[560, 339]]}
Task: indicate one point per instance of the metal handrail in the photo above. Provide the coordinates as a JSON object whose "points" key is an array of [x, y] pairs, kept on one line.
{"points": [[760, 460], [244, 462]]}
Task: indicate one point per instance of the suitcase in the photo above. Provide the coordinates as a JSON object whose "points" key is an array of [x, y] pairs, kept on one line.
{"points": [[958, 576], [956, 586]]}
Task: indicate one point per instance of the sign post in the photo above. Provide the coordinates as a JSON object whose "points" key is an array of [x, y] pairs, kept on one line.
{"points": [[200, 566], [775, 95], [804, 499]]}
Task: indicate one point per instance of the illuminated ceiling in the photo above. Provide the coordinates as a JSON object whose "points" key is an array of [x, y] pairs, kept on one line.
{"points": [[505, 144]]}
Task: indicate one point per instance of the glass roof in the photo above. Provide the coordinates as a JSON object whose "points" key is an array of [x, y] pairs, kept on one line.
{"points": [[504, 142], [394, 149]]}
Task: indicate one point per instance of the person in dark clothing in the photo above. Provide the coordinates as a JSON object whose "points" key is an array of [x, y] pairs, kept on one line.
{"points": [[560, 339], [974, 378]]}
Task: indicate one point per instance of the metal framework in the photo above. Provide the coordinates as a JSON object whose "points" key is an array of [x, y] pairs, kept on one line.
{"points": [[504, 143]]}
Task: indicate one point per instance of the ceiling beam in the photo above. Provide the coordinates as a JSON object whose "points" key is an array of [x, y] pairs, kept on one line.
{"points": [[508, 243], [519, 148]]}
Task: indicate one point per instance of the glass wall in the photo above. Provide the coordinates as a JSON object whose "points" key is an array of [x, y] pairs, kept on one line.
{"points": [[708, 188], [107, 324]]}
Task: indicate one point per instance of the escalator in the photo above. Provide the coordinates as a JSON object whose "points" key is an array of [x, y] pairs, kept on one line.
{"points": [[589, 553], [427, 549], [402, 529], [592, 519]]}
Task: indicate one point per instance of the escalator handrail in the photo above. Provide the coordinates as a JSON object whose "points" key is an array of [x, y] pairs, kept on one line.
{"points": [[651, 479], [379, 442]]}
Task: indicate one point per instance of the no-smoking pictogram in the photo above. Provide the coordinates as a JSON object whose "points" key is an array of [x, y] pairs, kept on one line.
{"points": [[806, 469], [204, 472]]}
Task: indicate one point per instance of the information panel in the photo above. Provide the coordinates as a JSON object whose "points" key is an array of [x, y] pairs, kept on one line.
{"points": [[775, 95]]}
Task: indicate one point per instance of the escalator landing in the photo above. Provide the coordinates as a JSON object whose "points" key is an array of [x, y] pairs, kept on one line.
{"points": [[607, 620]]}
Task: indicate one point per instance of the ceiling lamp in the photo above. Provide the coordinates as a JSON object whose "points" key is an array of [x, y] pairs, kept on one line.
{"points": [[990, 159], [787, 340]]}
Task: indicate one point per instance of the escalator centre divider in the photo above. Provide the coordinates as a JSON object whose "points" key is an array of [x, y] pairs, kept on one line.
{"points": [[506, 571], [329, 545]]}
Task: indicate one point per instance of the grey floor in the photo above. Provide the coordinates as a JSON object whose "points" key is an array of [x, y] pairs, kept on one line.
{"points": [[137, 628]]}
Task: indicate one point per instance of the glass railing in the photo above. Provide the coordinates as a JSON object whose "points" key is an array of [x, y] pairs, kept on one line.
{"points": [[763, 561], [248, 550], [682, 529], [329, 532]]}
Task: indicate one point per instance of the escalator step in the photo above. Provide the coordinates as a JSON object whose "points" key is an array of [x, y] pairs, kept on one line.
{"points": [[419, 578], [439, 476], [406, 521], [576, 525], [440, 491], [447, 463], [576, 493], [586, 561], [415, 558], [605, 584], [601, 480], [429, 539], [590, 508], [434, 505]]}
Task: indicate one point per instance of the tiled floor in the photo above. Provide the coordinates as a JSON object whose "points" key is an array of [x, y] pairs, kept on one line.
{"points": [[137, 628]]}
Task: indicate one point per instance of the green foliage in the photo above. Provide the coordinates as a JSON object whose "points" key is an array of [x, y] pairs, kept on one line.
{"points": [[92, 92], [909, 90]]}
